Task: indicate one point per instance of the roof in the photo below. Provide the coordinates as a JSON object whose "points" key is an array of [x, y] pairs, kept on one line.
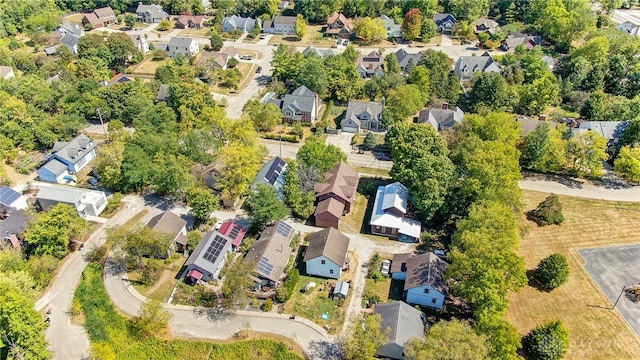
{"points": [[342, 288], [301, 99], [403, 321], [356, 108], [75, 149], [331, 206], [169, 223], [8, 196], [329, 243], [404, 58], [238, 22], [104, 12], [341, 180], [484, 24], [72, 28], [233, 231], [154, 9], [181, 41], [528, 125], [609, 130], [210, 252], [230, 51], [284, 20], [55, 167], [320, 52], [68, 194], [119, 78], [426, 269], [196, 19], [371, 62], [438, 18], [397, 262], [517, 38], [271, 251], [336, 22], [629, 27], [15, 224], [441, 118], [92, 19], [5, 71], [272, 173], [477, 63], [163, 92], [389, 208]]}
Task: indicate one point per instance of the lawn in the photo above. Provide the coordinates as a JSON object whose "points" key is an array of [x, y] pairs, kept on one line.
{"points": [[246, 73], [202, 32], [358, 219], [161, 288], [147, 67], [386, 289], [596, 333], [313, 36], [383, 173]]}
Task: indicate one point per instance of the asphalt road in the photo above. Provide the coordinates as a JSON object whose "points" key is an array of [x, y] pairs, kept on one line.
{"points": [[613, 268], [631, 194]]}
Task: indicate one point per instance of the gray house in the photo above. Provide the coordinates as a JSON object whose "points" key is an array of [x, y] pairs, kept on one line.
{"points": [[271, 254], [362, 115], [441, 119], [323, 53], [150, 14], [71, 33], [206, 261], [234, 22], [467, 66], [393, 30], [405, 58], [184, 46], [445, 23], [403, 322]]}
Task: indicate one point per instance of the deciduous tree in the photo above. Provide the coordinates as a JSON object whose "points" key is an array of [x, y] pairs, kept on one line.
{"points": [[153, 319], [627, 164], [586, 153], [315, 153], [369, 30], [363, 337], [454, 339], [300, 27], [544, 149], [51, 232], [202, 202], [264, 206], [412, 25]]}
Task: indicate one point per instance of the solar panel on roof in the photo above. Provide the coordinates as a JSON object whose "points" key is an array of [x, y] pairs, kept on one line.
{"points": [[8, 195], [283, 229], [214, 249], [234, 232], [275, 170]]}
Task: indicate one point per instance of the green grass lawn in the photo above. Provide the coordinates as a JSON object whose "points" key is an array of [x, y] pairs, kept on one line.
{"points": [[386, 289]]}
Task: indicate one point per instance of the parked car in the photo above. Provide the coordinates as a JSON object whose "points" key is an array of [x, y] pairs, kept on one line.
{"points": [[263, 36], [345, 42], [245, 57], [386, 265], [440, 253], [259, 70], [339, 42], [93, 181]]}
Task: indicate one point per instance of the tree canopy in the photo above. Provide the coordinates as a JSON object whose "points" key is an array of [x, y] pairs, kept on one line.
{"points": [[51, 232], [264, 206], [454, 339], [315, 153]]}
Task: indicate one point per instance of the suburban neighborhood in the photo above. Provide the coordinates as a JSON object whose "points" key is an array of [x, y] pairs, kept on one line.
{"points": [[319, 179]]}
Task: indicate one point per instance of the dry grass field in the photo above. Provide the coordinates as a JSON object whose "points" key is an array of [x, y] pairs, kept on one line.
{"points": [[596, 331], [147, 67]]}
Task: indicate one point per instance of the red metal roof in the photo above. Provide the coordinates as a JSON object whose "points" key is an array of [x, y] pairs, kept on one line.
{"points": [[195, 274], [227, 229]]}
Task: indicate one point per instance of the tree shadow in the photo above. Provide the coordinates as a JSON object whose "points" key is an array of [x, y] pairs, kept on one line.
{"points": [[114, 266], [213, 314], [154, 200], [326, 350], [534, 283]]}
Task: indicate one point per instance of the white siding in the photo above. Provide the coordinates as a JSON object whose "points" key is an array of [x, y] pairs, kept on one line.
{"points": [[84, 161], [420, 297], [315, 267]]}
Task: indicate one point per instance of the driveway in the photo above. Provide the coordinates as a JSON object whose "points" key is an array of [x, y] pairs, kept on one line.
{"points": [[612, 268], [342, 141]]}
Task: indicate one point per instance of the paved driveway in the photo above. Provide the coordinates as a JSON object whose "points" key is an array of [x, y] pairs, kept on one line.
{"points": [[343, 141], [612, 268]]}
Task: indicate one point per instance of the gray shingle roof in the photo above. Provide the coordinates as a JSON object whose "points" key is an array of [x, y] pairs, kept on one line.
{"points": [[55, 167], [181, 42], [15, 224], [330, 243], [238, 22], [476, 63], [154, 10], [76, 149], [441, 118], [426, 269], [301, 99], [342, 180], [404, 57], [284, 20], [398, 261], [272, 248], [403, 321], [320, 52], [356, 108], [169, 223]]}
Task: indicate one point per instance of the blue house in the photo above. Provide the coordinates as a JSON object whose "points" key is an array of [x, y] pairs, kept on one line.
{"points": [[425, 283], [68, 158], [272, 174]]}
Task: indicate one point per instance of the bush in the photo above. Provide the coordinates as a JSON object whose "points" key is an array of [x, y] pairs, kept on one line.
{"points": [[232, 63], [547, 342], [268, 305], [287, 138], [552, 272], [289, 286], [374, 267], [548, 212]]}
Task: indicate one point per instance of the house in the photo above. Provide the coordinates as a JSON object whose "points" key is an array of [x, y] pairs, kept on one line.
{"points": [[362, 115], [326, 255], [11, 201], [517, 38], [150, 14], [398, 268], [87, 202], [68, 158], [172, 225], [403, 322], [272, 174], [234, 22], [610, 130], [389, 214], [119, 79], [284, 25], [100, 17], [340, 291], [216, 60], [393, 30], [271, 254], [184, 46], [445, 23], [191, 21], [12, 229], [6, 72], [441, 119], [233, 231], [208, 258], [323, 53], [629, 28], [140, 43], [68, 27], [71, 34], [528, 125], [339, 26], [302, 105], [467, 66], [425, 282], [371, 64], [483, 25], [405, 58], [336, 195]]}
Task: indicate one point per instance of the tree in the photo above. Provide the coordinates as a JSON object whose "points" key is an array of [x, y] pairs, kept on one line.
{"points": [[164, 25], [300, 26], [369, 141], [627, 164], [419, 76], [453, 339], [216, 41], [140, 241], [363, 337], [264, 115], [468, 10], [129, 20], [404, 101], [242, 163], [503, 338], [428, 30], [264, 206], [391, 63], [422, 164], [548, 212], [547, 342], [552, 272], [412, 25], [315, 153], [313, 74], [235, 290], [488, 91], [109, 164], [153, 319], [51, 232], [544, 149], [297, 197], [586, 153], [21, 327], [595, 107], [369, 30], [535, 97], [203, 202]]}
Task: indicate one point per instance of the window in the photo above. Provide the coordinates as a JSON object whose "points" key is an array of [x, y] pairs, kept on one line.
{"points": [[426, 291], [433, 301], [323, 262], [330, 271]]}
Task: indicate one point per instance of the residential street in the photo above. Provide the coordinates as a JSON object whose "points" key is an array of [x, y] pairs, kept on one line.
{"points": [[631, 194]]}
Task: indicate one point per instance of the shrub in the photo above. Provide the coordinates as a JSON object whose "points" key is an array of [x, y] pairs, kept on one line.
{"points": [[549, 341], [268, 305], [287, 138], [289, 286], [374, 267], [552, 272], [548, 212], [232, 63]]}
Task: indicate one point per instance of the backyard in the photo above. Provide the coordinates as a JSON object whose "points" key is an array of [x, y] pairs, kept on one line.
{"points": [[313, 36], [597, 332], [161, 287], [147, 67], [246, 74]]}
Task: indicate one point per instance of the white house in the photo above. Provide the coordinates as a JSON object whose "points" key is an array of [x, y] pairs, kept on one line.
{"points": [[389, 214], [150, 14], [234, 22], [425, 283], [326, 255], [68, 158], [141, 43], [86, 202], [280, 25], [184, 46]]}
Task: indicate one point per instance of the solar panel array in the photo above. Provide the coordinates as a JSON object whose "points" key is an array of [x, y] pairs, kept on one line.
{"points": [[8, 195], [275, 170], [265, 266], [284, 229], [234, 232], [215, 248]]}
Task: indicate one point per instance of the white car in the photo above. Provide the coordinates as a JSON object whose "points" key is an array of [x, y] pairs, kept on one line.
{"points": [[386, 266], [440, 253]]}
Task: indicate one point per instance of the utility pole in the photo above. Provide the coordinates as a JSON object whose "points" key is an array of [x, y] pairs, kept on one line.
{"points": [[281, 129], [99, 111], [619, 296]]}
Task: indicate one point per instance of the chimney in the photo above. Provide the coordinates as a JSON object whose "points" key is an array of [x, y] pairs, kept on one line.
{"points": [[445, 105], [542, 117]]}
